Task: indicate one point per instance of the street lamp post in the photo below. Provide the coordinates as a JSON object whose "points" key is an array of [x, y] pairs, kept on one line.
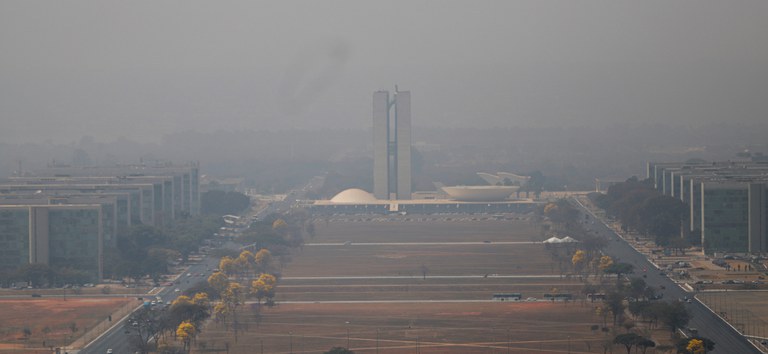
{"points": [[509, 340], [347, 322]]}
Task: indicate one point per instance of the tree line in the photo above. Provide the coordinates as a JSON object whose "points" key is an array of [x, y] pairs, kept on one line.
{"points": [[627, 301], [640, 207]]}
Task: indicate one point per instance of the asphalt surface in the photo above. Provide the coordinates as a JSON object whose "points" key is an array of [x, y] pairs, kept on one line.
{"points": [[709, 325], [117, 338]]}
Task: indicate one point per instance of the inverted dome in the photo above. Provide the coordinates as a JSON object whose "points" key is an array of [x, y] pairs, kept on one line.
{"points": [[354, 196], [480, 193]]}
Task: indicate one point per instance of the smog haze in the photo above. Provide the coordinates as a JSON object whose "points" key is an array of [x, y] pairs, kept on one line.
{"points": [[145, 69]]}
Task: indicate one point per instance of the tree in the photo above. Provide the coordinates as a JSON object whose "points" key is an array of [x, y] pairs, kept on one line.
{"points": [[245, 262], [232, 298], [619, 269], [646, 343], [186, 332], [339, 350], [216, 202], [695, 345], [263, 287], [615, 302], [675, 315], [578, 259], [36, 274], [310, 229], [628, 340], [637, 287], [219, 282], [186, 309], [148, 324], [279, 225], [534, 184], [228, 266], [263, 260], [605, 262]]}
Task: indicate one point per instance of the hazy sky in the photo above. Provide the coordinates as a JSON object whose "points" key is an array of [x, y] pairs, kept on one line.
{"points": [[141, 69]]}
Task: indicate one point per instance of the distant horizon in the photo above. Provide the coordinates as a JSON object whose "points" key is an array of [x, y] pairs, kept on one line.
{"points": [[416, 129]]}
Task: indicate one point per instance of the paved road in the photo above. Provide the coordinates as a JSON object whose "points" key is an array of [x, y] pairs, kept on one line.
{"points": [[478, 276], [424, 243], [709, 325], [116, 337]]}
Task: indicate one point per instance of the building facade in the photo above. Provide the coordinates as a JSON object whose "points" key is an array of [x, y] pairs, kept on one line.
{"points": [[727, 202], [392, 145], [66, 217]]}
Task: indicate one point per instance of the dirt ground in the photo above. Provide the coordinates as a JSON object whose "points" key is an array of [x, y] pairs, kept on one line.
{"points": [[415, 327], [382, 290], [56, 315]]}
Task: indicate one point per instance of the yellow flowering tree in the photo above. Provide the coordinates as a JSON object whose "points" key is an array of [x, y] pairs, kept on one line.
{"points": [[186, 332], [695, 346], [219, 282], [264, 286]]}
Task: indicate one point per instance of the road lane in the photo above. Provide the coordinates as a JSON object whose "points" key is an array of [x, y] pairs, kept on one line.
{"points": [[709, 325]]}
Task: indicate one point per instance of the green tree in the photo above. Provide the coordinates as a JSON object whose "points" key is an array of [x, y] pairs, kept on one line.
{"points": [[628, 340], [646, 343], [619, 269], [674, 315], [615, 302], [218, 202]]}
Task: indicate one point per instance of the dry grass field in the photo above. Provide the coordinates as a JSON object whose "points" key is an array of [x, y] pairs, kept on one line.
{"points": [[414, 328], [57, 315], [422, 286]]}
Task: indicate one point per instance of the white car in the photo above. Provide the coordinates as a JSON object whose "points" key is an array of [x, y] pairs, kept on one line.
{"points": [[176, 290], [109, 351]]}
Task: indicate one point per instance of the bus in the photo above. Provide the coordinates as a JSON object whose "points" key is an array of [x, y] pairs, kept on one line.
{"points": [[507, 297], [558, 297]]}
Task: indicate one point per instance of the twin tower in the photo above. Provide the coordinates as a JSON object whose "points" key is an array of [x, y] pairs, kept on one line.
{"points": [[392, 145]]}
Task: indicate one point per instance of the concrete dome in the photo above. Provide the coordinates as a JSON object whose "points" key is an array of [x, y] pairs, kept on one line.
{"points": [[354, 196]]}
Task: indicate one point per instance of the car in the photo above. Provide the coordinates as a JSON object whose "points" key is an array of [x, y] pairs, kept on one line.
{"points": [[176, 290], [37, 295], [109, 351]]}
